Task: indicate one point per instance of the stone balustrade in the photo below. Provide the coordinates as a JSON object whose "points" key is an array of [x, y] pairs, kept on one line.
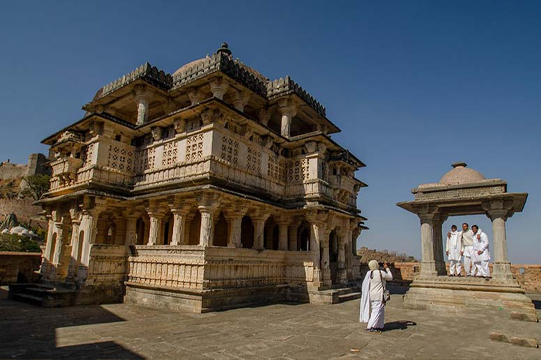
{"points": [[108, 264], [194, 267]]}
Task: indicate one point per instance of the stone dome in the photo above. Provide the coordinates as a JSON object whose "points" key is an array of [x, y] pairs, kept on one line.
{"points": [[225, 50], [460, 174]]}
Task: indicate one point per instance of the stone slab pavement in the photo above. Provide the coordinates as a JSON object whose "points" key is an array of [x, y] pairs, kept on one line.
{"points": [[280, 331]]}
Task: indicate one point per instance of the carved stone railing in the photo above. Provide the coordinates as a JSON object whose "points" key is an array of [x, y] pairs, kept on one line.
{"points": [[64, 171], [172, 266], [194, 267], [108, 264]]}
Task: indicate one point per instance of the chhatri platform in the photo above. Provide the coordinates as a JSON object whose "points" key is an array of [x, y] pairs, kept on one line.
{"points": [[456, 294]]}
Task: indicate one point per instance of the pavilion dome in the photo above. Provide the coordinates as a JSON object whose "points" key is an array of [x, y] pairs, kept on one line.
{"points": [[460, 174], [225, 50]]}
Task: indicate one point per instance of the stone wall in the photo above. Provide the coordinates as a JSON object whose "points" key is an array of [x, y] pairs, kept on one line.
{"points": [[23, 208], [18, 264], [10, 171], [528, 276]]}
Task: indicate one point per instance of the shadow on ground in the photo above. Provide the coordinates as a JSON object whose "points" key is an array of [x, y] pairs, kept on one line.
{"points": [[24, 339], [398, 325]]}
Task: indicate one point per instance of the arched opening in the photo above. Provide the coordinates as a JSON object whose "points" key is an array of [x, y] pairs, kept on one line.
{"points": [[106, 228], [303, 237], [333, 255], [247, 232], [271, 235], [221, 231], [195, 229]]}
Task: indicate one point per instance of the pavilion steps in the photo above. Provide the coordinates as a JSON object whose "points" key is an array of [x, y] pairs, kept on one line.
{"points": [[43, 295], [336, 294]]}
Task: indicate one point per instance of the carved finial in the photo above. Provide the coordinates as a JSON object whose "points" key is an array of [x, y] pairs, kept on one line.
{"points": [[459, 164], [224, 49]]}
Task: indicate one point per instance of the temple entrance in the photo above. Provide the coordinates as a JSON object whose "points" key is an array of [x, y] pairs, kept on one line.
{"points": [[333, 256]]}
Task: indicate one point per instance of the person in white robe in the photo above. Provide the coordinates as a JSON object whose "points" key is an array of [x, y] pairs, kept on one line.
{"points": [[481, 252], [372, 309], [453, 248], [466, 240]]}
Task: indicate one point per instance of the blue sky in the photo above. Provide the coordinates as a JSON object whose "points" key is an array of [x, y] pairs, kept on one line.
{"points": [[414, 85]]}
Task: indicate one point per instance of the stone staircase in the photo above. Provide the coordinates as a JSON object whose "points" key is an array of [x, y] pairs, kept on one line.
{"points": [[335, 295], [43, 295]]}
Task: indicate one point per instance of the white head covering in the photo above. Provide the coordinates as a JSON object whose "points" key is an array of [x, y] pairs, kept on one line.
{"points": [[373, 265]]}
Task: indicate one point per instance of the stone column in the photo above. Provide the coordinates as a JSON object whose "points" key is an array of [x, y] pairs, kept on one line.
{"points": [[131, 229], [502, 267], [142, 97], [325, 262], [73, 260], [342, 274], [89, 221], [207, 226], [438, 245], [259, 229], [155, 228], [179, 226], [282, 236], [288, 112], [235, 224], [428, 264], [316, 238], [293, 246]]}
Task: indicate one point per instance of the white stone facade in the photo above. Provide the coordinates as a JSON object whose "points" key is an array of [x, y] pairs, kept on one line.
{"points": [[208, 189]]}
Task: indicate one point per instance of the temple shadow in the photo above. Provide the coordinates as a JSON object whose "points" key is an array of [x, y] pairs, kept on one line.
{"points": [[537, 304], [33, 332], [398, 325]]}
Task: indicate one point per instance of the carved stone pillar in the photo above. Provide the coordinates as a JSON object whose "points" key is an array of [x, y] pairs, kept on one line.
{"points": [[502, 267], [438, 245], [282, 236], [240, 99], [207, 226], [75, 244], [219, 87], [142, 97], [235, 228], [325, 262], [288, 112], [179, 226], [428, 264], [293, 228], [155, 228], [316, 238], [131, 229], [259, 229]]}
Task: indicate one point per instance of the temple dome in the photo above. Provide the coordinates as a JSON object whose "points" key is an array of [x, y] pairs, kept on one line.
{"points": [[225, 50], [460, 174]]}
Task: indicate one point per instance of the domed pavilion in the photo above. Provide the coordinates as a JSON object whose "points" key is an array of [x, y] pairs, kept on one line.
{"points": [[465, 191]]}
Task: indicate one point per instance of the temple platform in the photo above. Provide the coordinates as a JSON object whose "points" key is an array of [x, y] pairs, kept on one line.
{"points": [[456, 294]]}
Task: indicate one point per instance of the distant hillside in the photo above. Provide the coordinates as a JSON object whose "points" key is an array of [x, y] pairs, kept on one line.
{"points": [[367, 254]]}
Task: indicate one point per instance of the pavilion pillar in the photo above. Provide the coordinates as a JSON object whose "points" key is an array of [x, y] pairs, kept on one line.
{"points": [[428, 264], [76, 244], [293, 246], [179, 226], [438, 245], [235, 230], [317, 235], [325, 261], [342, 269], [207, 226], [498, 213], [287, 111], [131, 229], [155, 227], [282, 236], [142, 97]]}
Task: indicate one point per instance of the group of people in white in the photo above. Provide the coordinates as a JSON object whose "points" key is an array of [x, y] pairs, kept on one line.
{"points": [[472, 244]]}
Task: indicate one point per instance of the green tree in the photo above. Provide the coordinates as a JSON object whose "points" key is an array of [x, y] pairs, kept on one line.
{"points": [[36, 186]]}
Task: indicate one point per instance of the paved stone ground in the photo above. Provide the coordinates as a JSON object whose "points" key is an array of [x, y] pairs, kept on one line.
{"points": [[277, 331]]}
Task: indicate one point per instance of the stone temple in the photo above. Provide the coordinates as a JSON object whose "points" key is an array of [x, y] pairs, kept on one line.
{"points": [[207, 189]]}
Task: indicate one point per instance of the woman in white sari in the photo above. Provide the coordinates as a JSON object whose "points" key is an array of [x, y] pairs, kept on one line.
{"points": [[372, 304]]}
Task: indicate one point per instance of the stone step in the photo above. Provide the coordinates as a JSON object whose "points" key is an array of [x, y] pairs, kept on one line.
{"points": [[349, 296], [27, 298]]}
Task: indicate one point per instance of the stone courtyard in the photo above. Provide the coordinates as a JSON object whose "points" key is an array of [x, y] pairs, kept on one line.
{"points": [[307, 331]]}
